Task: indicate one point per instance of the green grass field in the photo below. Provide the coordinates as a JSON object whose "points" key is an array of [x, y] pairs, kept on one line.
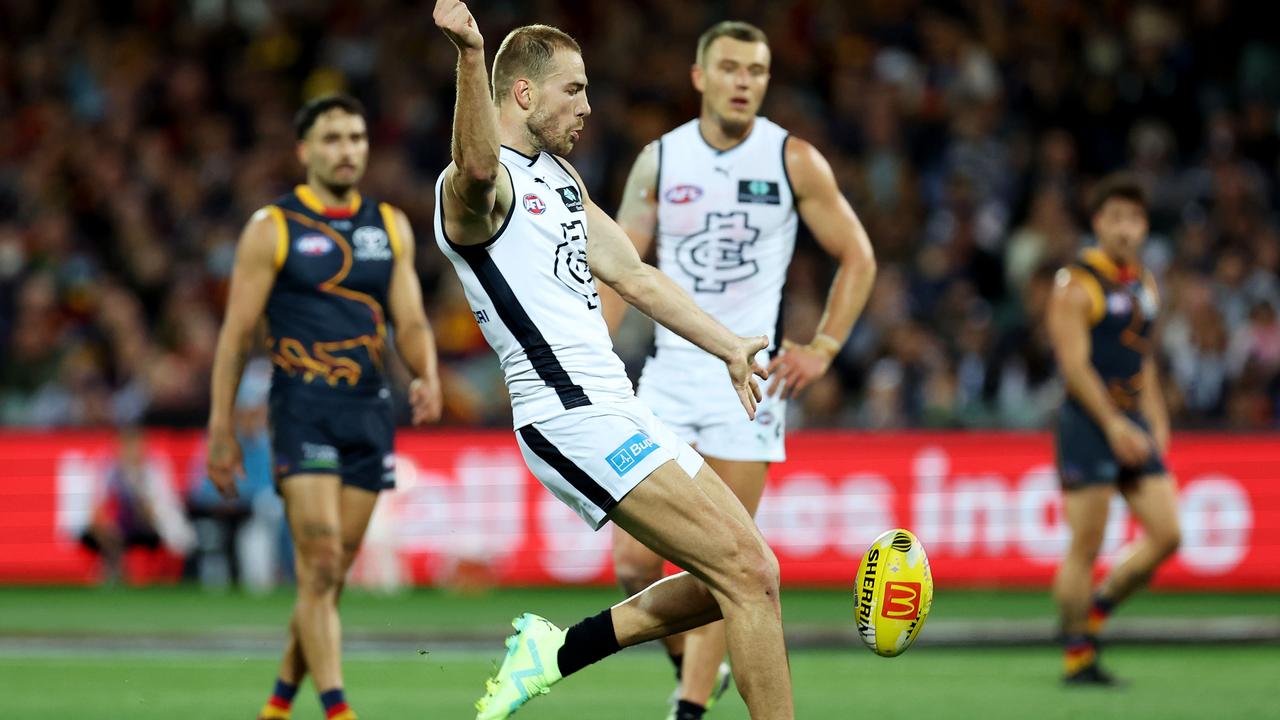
{"points": [[81, 677]]}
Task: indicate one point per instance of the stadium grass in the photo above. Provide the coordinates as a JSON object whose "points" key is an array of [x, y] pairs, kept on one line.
{"points": [[184, 610], [992, 684]]}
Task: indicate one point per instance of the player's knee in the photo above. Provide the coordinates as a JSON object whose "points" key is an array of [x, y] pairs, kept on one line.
{"points": [[754, 572], [1085, 548], [321, 569], [1167, 542], [636, 570]]}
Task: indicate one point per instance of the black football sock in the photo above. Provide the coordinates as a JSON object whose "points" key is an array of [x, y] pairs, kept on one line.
{"points": [[689, 711], [589, 641]]}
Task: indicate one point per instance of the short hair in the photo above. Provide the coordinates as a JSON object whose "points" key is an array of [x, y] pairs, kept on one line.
{"points": [[735, 29], [526, 52], [1123, 185], [308, 113]]}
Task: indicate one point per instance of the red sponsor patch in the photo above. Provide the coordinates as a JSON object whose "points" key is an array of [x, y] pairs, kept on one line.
{"points": [[901, 600]]}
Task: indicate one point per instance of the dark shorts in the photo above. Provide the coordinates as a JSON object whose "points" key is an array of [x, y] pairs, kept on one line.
{"points": [[318, 432], [1084, 456]]}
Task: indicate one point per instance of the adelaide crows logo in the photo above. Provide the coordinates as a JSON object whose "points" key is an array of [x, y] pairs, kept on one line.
{"points": [[714, 256], [571, 263]]}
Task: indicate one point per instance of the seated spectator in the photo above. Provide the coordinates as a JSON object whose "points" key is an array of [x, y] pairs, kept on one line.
{"points": [[243, 540], [138, 508]]}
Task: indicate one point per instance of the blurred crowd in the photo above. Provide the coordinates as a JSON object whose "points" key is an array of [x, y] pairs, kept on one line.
{"points": [[137, 137]]}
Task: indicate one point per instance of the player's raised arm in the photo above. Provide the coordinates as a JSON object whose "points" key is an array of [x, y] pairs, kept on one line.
{"points": [[475, 201], [1070, 308], [838, 231], [638, 218], [251, 280], [414, 340]]}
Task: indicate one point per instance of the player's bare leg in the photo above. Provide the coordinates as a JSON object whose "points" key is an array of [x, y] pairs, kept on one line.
{"points": [[704, 648], [711, 534], [355, 509], [637, 567], [1153, 500], [312, 506], [1086, 511], [732, 574]]}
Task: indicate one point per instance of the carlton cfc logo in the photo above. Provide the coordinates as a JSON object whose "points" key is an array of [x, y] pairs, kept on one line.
{"points": [[534, 204]]}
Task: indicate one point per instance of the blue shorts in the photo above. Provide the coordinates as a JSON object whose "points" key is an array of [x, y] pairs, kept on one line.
{"points": [[339, 433], [1084, 456]]}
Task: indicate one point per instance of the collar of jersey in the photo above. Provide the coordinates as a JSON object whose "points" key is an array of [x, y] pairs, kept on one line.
{"points": [[308, 197], [717, 151], [532, 159], [1109, 269]]}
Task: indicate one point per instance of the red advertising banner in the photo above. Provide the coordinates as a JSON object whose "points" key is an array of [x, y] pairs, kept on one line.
{"points": [[986, 506]]}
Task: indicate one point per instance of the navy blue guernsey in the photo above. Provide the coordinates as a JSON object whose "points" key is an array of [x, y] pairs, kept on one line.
{"points": [[1123, 311], [326, 314]]}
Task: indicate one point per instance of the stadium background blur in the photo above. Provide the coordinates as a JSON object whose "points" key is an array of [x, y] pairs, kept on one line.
{"points": [[137, 137]]}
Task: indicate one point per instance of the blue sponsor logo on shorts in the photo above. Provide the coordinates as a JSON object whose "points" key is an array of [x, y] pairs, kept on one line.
{"points": [[630, 453]]}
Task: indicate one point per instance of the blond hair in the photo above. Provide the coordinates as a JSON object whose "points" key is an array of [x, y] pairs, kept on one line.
{"points": [[735, 29], [526, 53]]}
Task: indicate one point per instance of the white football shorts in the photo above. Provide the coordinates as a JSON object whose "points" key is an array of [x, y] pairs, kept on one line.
{"points": [[690, 392], [592, 456]]}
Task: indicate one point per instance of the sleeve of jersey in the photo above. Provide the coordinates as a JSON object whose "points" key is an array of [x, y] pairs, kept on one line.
{"points": [[282, 234], [393, 228], [1097, 303]]}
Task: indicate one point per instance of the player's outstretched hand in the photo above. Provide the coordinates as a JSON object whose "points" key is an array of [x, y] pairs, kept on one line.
{"points": [[225, 462], [743, 370], [426, 399], [797, 366], [454, 18], [1129, 442]]}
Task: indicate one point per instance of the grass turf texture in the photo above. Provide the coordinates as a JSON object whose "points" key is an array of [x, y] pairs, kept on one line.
{"points": [[1166, 682], [182, 610]]}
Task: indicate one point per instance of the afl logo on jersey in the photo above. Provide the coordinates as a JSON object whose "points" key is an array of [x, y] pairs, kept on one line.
{"points": [[371, 243], [313, 244], [681, 194], [534, 205]]}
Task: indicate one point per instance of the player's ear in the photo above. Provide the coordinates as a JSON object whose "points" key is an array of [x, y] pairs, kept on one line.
{"points": [[523, 93], [699, 80], [301, 149]]}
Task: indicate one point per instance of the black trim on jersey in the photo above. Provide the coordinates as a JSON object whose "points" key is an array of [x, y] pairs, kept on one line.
{"points": [[726, 151], [531, 160], [778, 326], [505, 221], [576, 476], [513, 315], [572, 178], [786, 174]]}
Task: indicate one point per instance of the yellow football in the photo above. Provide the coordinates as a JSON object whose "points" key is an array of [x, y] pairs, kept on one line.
{"points": [[894, 593]]}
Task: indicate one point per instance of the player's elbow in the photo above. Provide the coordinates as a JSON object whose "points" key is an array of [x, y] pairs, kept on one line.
{"points": [[631, 284]]}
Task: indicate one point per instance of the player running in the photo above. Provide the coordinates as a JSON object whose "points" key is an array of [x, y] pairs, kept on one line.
{"points": [[527, 243], [325, 265], [1113, 429], [720, 196]]}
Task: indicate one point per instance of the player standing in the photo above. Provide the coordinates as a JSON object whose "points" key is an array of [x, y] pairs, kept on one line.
{"points": [[720, 195], [324, 265], [526, 241], [1113, 429]]}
